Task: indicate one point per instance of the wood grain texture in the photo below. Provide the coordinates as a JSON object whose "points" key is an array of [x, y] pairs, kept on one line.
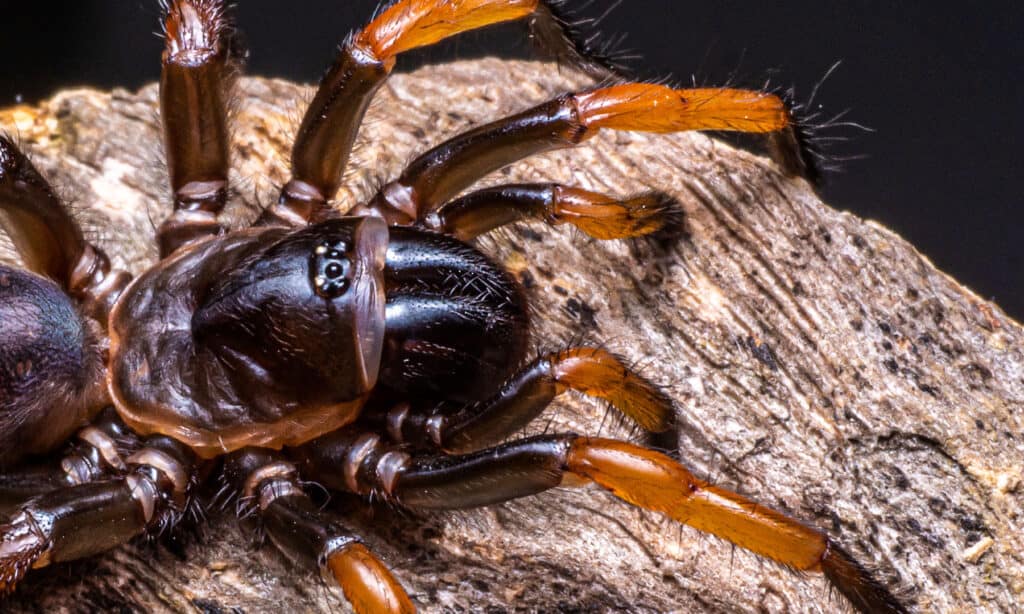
{"points": [[820, 364]]}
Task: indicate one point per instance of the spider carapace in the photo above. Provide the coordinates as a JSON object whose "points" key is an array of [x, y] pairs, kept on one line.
{"points": [[374, 353]]}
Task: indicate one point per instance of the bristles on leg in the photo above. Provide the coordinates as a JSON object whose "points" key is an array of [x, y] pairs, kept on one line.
{"points": [[560, 36], [854, 582]]}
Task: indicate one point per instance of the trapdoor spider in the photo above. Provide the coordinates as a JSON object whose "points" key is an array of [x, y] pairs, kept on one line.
{"points": [[377, 353]]}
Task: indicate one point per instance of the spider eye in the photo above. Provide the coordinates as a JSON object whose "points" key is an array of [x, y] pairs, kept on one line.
{"points": [[331, 269]]}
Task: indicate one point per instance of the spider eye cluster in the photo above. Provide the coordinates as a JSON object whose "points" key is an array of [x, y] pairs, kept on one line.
{"points": [[331, 269]]}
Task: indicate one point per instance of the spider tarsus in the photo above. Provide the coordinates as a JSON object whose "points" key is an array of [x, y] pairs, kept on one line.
{"points": [[793, 149], [560, 36], [859, 586]]}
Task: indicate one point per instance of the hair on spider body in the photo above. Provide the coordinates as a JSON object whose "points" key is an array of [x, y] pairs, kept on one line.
{"points": [[378, 354]]}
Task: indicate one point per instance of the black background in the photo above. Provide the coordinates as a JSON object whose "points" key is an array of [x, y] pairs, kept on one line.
{"points": [[939, 83]]}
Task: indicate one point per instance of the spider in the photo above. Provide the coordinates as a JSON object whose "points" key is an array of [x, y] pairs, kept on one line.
{"points": [[377, 353]]}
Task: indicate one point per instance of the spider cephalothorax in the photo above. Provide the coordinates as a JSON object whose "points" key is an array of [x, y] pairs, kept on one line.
{"points": [[378, 353]]}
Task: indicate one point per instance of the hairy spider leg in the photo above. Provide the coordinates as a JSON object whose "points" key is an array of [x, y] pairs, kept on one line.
{"points": [[597, 215], [438, 175], [49, 241], [637, 475], [195, 81], [94, 516], [96, 452], [594, 372], [328, 129], [311, 538]]}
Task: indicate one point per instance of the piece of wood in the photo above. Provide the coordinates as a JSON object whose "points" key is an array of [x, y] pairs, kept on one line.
{"points": [[821, 366]]}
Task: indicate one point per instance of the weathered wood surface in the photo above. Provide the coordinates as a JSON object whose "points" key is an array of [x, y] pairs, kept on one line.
{"points": [[821, 366]]}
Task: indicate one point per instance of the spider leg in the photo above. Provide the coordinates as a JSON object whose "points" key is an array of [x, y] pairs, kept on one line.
{"points": [[591, 371], [85, 519], [642, 477], [311, 539], [441, 173], [329, 127], [97, 452], [597, 215], [195, 79], [49, 240]]}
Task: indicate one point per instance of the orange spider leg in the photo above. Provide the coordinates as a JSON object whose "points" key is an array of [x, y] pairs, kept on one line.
{"points": [[368, 585], [642, 477], [599, 373], [654, 481], [648, 107], [597, 215], [594, 372], [435, 177], [409, 24], [324, 140], [300, 530]]}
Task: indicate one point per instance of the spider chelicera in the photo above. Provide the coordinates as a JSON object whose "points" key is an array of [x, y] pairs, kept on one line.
{"points": [[377, 353]]}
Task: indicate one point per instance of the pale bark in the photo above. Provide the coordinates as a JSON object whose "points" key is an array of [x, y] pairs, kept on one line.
{"points": [[821, 366]]}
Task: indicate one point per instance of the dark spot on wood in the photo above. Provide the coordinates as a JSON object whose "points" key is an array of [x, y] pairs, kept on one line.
{"points": [[529, 234], [899, 479], [208, 606], [798, 289], [858, 241], [937, 506], [933, 540], [560, 290], [976, 373], [762, 352], [913, 294], [928, 388], [455, 117], [887, 346], [430, 533], [892, 365], [885, 328], [837, 525], [979, 424], [419, 133], [582, 312], [526, 278], [970, 522], [857, 324]]}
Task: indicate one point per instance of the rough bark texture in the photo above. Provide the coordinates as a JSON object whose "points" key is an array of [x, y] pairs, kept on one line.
{"points": [[821, 366]]}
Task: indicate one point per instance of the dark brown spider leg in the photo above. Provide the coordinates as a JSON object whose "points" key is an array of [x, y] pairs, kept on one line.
{"points": [[591, 371], [637, 475], [49, 240], [98, 452], [79, 521], [194, 85], [438, 175], [597, 215], [329, 127], [311, 539]]}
